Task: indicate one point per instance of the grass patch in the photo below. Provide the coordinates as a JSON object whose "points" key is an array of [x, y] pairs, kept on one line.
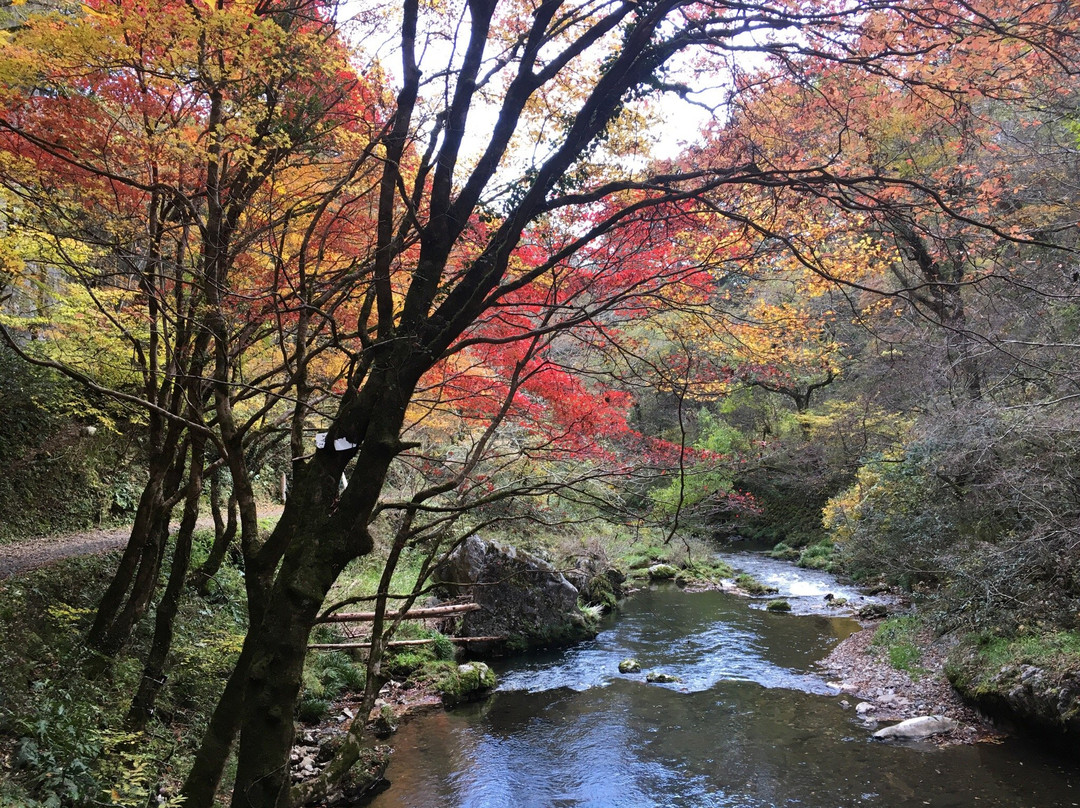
{"points": [[784, 552], [1057, 650], [752, 586], [897, 637], [986, 665], [820, 556]]}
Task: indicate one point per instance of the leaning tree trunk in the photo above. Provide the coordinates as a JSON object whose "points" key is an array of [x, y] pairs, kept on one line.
{"points": [[128, 595], [321, 532], [142, 705]]}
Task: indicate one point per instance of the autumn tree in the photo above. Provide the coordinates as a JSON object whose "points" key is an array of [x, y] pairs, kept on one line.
{"points": [[548, 85], [146, 151], [512, 222]]}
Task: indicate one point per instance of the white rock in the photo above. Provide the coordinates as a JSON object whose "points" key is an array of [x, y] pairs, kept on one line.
{"points": [[864, 707], [843, 687], [917, 728]]}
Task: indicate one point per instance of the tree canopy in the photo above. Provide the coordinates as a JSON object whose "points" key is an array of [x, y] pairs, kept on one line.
{"points": [[438, 239]]}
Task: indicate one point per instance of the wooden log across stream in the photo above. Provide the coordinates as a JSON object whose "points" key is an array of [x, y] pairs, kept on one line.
{"points": [[412, 614], [340, 646]]}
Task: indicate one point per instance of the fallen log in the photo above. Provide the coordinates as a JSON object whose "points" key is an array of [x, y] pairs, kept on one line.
{"points": [[338, 646], [412, 614]]}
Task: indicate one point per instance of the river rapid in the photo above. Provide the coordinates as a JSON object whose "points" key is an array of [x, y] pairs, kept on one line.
{"points": [[751, 723]]}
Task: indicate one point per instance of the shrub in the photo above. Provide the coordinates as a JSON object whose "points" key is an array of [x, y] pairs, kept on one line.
{"points": [[818, 556]]}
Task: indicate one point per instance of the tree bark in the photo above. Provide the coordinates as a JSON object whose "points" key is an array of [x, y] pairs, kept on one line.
{"points": [[224, 534], [128, 596], [142, 705]]}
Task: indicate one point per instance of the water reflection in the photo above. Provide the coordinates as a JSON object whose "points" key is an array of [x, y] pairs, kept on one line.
{"points": [[750, 725]]}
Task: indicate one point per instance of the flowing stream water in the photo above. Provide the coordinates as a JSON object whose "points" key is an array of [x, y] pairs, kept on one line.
{"points": [[751, 724]]}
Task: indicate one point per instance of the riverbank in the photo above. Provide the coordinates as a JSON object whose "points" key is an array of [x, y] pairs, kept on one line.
{"points": [[882, 693]]}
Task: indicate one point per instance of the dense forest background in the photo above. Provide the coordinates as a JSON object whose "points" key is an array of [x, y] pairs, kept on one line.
{"points": [[250, 250]]}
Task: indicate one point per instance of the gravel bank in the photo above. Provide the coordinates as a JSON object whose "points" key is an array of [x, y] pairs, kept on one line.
{"points": [[880, 693]]}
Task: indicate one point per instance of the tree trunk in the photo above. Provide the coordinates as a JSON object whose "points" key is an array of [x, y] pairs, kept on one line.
{"points": [[273, 683], [142, 706], [224, 533], [128, 595]]}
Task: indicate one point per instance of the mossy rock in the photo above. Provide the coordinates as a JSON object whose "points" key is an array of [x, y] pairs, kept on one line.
{"points": [[1031, 682], [663, 572], [778, 605], [752, 586], [873, 611], [661, 678], [385, 723], [365, 778], [460, 683], [629, 666], [523, 598]]}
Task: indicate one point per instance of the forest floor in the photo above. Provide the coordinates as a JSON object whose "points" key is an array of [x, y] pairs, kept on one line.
{"points": [[863, 671], [30, 554]]}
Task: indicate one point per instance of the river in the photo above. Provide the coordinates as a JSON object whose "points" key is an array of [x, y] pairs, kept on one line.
{"points": [[750, 725]]}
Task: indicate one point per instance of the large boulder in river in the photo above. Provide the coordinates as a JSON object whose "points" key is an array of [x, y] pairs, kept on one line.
{"points": [[597, 582], [523, 600]]}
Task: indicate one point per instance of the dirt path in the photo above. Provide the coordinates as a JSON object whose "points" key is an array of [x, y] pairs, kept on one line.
{"points": [[31, 554]]}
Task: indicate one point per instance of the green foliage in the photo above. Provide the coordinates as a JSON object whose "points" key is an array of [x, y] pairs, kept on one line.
{"points": [[327, 674], [62, 710], [702, 490], [896, 520], [311, 709], [784, 552], [898, 638], [819, 556], [61, 721], [58, 475], [58, 747]]}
